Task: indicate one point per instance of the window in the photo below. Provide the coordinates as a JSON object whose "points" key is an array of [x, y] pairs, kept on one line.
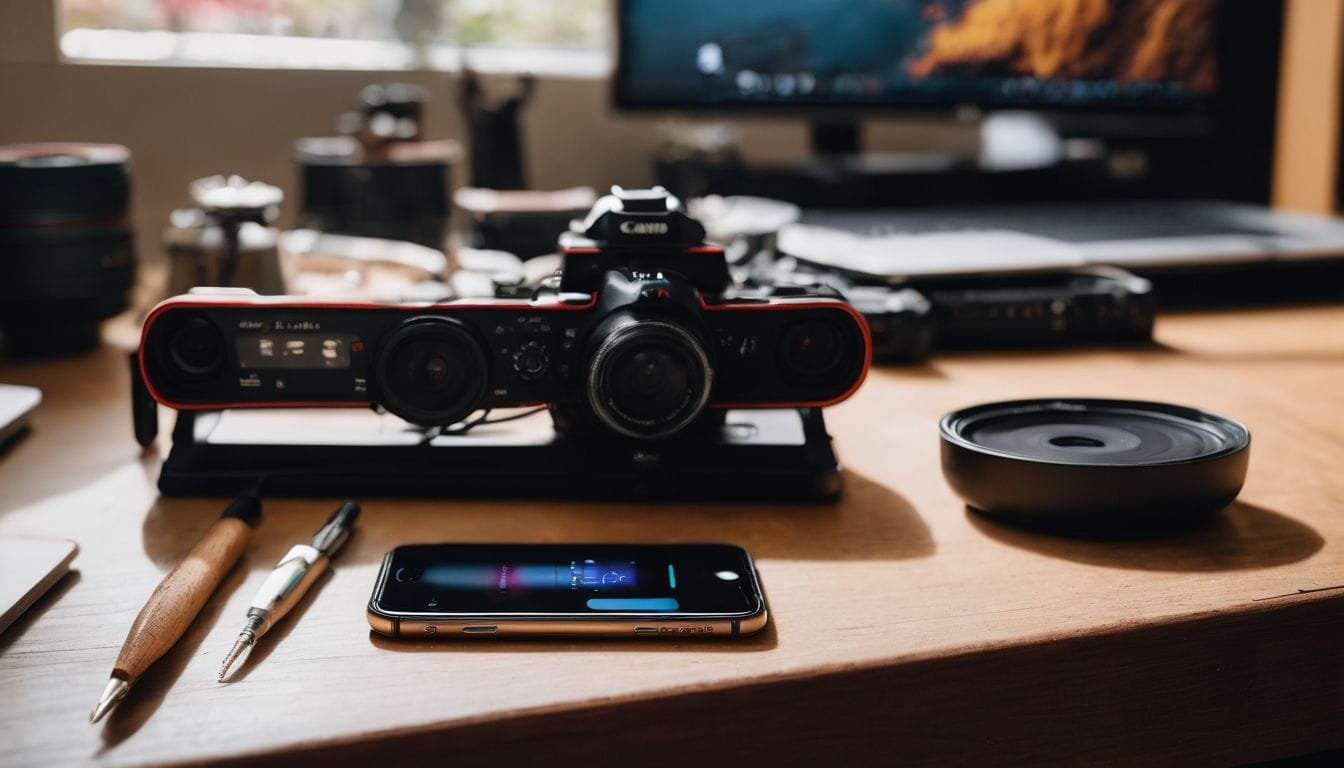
{"points": [[569, 36]]}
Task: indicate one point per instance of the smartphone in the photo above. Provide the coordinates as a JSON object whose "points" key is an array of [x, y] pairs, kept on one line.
{"points": [[663, 590]]}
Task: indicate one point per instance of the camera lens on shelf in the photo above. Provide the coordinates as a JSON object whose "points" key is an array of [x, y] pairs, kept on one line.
{"points": [[431, 371], [67, 260], [648, 377], [402, 197]]}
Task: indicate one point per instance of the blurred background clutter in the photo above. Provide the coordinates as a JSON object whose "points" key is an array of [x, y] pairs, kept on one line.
{"points": [[910, 156]]}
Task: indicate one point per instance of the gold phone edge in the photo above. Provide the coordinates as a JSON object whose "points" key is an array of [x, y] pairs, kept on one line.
{"points": [[437, 628]]}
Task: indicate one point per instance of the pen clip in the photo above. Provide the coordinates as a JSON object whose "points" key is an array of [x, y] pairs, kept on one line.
{"points": [[336, 532]]}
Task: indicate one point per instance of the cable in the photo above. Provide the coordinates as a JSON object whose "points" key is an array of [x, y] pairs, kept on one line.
{"points": [[514, 417], [465, 426]]}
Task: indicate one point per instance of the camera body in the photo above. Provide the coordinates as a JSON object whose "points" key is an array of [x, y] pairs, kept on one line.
{"points": [[639, 337]]}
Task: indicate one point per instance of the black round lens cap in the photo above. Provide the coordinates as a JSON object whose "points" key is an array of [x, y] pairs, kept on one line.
{"points": [[1094, 466]]}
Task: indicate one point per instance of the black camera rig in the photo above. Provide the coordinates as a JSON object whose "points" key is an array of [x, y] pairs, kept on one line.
{"points": [[658, 377]]}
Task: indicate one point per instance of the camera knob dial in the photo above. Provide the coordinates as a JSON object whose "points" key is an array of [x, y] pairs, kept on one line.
{"points": [[531, 361]]}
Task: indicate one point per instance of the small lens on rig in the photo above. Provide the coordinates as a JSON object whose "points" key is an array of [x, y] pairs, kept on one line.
{"points": [[647, 378], [196, 349], [431, 371], [811, 349]]}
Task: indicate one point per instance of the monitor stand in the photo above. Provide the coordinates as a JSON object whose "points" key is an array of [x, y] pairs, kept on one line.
{"points": [[837, 152], [835, 138], [1009, 141], [1022, 156]]}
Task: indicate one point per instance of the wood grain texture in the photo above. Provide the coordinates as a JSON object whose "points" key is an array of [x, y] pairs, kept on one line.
{"points": [[904, 628], [179, 598]]}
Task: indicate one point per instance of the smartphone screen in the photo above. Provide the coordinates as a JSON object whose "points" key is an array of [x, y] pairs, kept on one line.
{"points": [[568, 580]]}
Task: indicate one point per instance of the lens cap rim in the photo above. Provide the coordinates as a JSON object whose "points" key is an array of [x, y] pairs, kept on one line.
{"points": [[954, 425], [1097, 496]]}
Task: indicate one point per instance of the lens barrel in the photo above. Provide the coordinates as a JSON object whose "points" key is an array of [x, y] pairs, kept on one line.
{"points": [[67, 258], [647, 377], [398, 200], [431, 371]]}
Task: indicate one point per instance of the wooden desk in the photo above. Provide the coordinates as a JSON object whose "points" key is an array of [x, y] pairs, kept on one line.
{"points": [[904, 629]]}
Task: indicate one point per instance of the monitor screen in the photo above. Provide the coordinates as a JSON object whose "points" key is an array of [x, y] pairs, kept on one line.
{"points": [[1146, 55]]}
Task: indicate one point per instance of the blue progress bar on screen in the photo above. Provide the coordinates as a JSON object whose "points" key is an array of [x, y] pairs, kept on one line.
{"points": [[633, 603], [671, 576]]}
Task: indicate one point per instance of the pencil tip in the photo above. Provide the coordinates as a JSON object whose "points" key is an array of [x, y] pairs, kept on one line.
{"points": [[243, 642], [113, 693]]}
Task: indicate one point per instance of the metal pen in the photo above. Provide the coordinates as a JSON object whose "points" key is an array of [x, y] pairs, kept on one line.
{"points": [[291, 578]]}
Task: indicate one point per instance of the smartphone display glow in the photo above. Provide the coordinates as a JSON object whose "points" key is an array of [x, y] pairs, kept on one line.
{"points": [[566, 582]]}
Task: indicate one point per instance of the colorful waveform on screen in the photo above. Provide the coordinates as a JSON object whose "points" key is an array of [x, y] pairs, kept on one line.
{"points": [[576, 575]]}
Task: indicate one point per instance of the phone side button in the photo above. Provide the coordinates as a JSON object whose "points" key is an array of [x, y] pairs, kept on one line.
{"points": [[646, 630], [478, 630]]}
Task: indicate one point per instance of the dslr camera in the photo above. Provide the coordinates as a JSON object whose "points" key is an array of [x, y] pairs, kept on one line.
{"points": [[640, 336]]}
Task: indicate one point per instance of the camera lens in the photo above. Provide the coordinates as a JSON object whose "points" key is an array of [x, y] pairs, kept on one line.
{"points": [[196, 349], [650, 381], [648, 378], [431, 372], [812, 349], [436, 371], [67, 255]]}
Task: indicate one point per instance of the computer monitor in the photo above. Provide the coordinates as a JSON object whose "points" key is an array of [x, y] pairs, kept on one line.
{"points": [[835, 60]]}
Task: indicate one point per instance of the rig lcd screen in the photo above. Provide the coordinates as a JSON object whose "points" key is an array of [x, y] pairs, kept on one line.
{"points": [[295, 351]]}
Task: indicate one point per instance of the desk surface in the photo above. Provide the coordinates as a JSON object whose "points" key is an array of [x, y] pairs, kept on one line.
{"points": [[902, 625]]}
